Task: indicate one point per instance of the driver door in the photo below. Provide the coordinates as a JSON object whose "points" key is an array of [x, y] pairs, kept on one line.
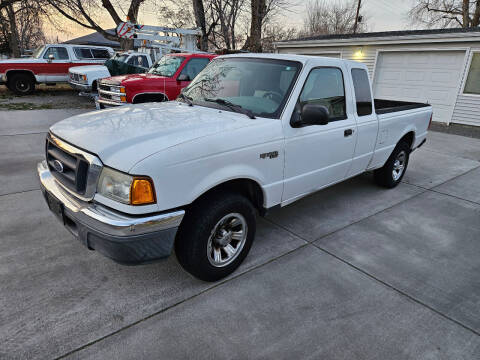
{"points": [[319, 155], [57, 64]]}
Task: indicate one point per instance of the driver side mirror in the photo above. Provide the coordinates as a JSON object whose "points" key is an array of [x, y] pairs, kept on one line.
{"points": [[183, 77], [310, 114], [51, 57]]}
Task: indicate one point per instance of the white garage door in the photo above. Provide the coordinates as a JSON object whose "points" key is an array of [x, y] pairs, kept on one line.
{"points": [[421, 76]]}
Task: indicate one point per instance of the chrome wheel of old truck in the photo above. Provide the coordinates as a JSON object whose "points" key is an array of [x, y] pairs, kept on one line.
{"points": [[227, 240]]}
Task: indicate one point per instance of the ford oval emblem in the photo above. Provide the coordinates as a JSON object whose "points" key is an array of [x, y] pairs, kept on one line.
{"points": [[58, 166]]}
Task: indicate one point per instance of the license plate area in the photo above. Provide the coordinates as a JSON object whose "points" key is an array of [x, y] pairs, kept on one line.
{"points": [[55, 206]]}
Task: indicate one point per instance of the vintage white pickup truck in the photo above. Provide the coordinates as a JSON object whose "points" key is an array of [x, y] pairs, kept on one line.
{"points": [[251, 132]]}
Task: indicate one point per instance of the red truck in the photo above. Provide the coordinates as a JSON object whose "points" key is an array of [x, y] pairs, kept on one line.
{"points": [[49, 64], [163, 82]]}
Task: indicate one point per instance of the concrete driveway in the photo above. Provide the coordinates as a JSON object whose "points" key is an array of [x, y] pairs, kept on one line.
{"points": [[352, 272]]}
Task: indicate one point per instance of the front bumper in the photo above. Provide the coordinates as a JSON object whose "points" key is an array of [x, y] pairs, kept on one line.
{"points": [[109, 103], [126, 239], [79, 86]]}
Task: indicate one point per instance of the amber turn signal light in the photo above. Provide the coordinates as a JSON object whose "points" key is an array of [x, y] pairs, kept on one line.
{"points": [[142, 192]]}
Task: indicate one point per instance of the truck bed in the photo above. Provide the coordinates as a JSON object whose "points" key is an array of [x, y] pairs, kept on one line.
{"points": [[387, 106]]}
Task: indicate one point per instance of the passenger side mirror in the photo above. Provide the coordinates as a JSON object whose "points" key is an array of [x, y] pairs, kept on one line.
{"points": [[51, 57], [183, 77], [310, 114]]}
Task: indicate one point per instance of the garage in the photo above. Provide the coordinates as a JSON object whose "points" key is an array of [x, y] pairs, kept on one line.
{"points": [[424, 76], [438, 66]]}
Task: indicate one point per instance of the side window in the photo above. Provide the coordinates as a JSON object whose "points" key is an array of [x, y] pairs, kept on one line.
{"points": [[100, 54], [324, 86], [142, 61], [362, 92], [83, 53], [59, 53], [194, 66], [132, 61]]}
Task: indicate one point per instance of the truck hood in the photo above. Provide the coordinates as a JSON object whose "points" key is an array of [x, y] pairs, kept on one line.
{"points": [[123, 136], [131, 78], [89, 69]]}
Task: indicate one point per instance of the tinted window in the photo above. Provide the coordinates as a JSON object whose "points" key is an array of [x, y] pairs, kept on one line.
{"points": [[324, 86], [59, 53], [362, 92], [100, 54], [138, 60], [194, 66], [83, 53]]}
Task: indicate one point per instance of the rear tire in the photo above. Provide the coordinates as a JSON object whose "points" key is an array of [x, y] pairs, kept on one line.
{"points": [[216, 235], [391, 174], [22, 84]]}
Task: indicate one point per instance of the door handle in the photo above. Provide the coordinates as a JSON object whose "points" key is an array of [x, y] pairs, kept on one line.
{"points": [[348, 132]]}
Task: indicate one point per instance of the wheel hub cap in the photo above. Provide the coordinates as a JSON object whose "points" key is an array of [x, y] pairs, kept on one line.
{"points": [[399, 165], [227, 240]]}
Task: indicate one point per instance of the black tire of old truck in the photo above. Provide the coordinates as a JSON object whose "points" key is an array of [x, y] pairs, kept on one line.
{"points": [[394, 169], [216, 235], [22, 84]]}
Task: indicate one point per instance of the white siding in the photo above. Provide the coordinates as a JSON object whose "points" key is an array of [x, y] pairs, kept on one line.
{"points": [[467, 110]]}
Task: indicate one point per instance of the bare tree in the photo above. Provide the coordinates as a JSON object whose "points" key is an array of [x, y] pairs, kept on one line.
{"points": [[88, 14], [324, 17], [446, 13]]}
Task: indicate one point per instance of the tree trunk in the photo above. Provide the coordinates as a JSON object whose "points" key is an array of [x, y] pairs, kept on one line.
{"points": [[199, 12], [15, 49], [476, 15], [466, 13], [254, 41]]}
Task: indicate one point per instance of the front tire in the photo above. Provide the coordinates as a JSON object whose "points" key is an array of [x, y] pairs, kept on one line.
{"points": [[216, 235], [22, 84], [391, 174]]}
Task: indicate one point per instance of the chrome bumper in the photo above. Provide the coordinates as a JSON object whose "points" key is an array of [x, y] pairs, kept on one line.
{"points": [[110, 103], [121, 237], [80, 87]]}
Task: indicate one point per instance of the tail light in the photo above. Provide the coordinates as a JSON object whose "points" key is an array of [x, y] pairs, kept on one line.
{"points": [[430, 122]]}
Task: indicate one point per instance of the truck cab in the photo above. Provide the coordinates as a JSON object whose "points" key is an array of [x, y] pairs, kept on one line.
{"points": [[163, 82]]}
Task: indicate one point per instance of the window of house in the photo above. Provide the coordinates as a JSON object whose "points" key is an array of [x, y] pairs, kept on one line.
{"points": [[363, 95], [472, 85], [324, 86], [59, 53]]}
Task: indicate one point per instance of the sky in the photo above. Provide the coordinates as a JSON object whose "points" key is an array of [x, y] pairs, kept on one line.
{"points": [[381, 15]]}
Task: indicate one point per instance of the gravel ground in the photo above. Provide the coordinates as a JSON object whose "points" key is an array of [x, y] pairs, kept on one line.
{"points": [[45, 97]]}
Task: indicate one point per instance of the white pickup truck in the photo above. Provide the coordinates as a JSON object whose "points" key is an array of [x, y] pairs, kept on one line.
{"points": [[85, 78], [250, 132]]}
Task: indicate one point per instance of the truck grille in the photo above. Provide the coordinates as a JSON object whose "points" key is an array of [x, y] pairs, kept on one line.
{"points": [[74, 77], [104, 87], [71, 170]]}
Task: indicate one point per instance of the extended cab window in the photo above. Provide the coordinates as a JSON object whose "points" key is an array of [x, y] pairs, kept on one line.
{"points": [[138, 60], [83, 53], [194, 66], [59, 53], [324, 86], [363, 94], [100, 54]]}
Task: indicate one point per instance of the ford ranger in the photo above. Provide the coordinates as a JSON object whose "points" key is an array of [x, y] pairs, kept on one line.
{"points": [[251, 132]]}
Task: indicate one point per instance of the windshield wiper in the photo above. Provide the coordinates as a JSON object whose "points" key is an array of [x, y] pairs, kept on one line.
{"points": [[187, 99], [232, 106]]}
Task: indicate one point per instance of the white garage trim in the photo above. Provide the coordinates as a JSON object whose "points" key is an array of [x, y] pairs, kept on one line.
{"points": [[460, 82], [471, 52], [320, 53]]}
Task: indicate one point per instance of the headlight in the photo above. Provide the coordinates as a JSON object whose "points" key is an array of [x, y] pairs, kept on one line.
{"points": [[124, 188]]}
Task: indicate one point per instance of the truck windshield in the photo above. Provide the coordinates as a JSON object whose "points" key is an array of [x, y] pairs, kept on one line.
{"points": [[167, 65], [38, 52], [260, 86]]}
